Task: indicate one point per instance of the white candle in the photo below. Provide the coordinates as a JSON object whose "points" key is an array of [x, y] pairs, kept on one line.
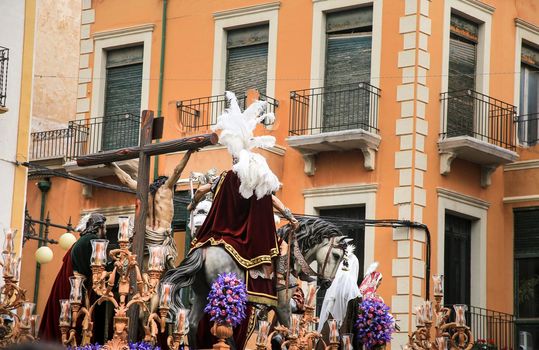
{"points": [[65, 311], [165, 298], [333, 331], [347, 341], [9, 240], [181, 324], [123, 229], [8, 263], [76, 289], [263, 331], [156, 262], [438, 285], [420, 321], [460, 317], [428, 311], [99, 252], [311, 293], [26, 313]]}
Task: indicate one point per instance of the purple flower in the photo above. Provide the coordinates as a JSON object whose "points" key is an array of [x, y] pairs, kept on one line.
{"points": [[227, 300], [374, 323]]}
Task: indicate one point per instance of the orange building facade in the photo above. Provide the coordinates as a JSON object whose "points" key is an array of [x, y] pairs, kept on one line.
{"points": [[415, 110]]}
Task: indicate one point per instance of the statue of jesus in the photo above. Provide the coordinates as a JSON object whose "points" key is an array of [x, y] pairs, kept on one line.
{"points": [[160, 208]]}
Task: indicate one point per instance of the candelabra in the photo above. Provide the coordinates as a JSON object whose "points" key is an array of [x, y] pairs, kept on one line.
{"points": [[14, 328], [453, 335], [301, 334], [124, 268]]}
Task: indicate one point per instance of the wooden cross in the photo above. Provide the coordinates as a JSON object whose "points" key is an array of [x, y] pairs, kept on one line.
{"points": [[143, 152]]}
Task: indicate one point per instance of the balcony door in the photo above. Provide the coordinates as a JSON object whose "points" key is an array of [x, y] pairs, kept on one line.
{"points": [[528, 131], [354, 230], [526, 276], [457, 260], [348, 63], [461, 76], [121, 121]]}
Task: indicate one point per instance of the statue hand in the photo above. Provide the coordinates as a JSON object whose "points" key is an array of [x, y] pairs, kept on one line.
{"points": [[294, 223]]}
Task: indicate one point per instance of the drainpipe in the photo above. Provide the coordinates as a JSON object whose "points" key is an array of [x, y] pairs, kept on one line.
{"points": [[44, 186], [161, 73]]}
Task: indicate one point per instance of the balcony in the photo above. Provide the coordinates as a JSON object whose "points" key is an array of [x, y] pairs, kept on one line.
{"points": [[491, 327], [85, 136], [199, 114], [335, 118], [4, 59], [528, 129], [479, 129], [51, 147]]}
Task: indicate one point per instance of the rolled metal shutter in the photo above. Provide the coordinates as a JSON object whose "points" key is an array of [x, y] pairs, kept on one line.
{"points": [[348, 62], [462, 70], [122, 98], [247, 59]]}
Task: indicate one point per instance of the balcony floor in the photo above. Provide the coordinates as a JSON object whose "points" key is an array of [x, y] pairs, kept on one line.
{"points": [[346, 140], [487, 155]]}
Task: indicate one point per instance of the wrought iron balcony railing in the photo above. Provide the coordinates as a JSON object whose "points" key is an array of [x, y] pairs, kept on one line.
{"points": [[490, 326], [470, 113], [86, 136], [334, 108], [4, 59], [202, 112], [528, 129], [104, 133], [51, 144]]}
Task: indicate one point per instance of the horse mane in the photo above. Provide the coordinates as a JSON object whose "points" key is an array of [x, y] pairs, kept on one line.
{"points": [[311, 232]]}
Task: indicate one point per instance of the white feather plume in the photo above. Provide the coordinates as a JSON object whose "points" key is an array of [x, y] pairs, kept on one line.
{"points": [[82, 223], [372, 267], [237, 135]]}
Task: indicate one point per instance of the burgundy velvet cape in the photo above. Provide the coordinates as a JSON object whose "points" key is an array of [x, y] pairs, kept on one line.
{"points": [[245, 227], [49, 330]]}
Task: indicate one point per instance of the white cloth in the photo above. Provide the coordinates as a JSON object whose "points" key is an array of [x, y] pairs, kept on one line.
{"points": [[343, 289]]}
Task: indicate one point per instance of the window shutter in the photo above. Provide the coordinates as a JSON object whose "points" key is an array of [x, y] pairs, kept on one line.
{"points": [[526, 229], [462, 70], [247, 59], [181, 214], [122, 98], [354, 19]]}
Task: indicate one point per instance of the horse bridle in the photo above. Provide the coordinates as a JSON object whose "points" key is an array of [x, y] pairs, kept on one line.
{"points": [[326, 259]]}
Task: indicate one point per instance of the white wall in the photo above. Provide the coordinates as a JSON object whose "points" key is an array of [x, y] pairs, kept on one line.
{"points": [[11, 36]]}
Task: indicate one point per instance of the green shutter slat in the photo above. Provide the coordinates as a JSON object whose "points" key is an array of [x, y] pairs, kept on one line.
{"points": [[348, 60], [526, 228], [181, 214], [124, 56], [248, 36], [247, 68], [122, 96], [350, 19], [462, 69]]}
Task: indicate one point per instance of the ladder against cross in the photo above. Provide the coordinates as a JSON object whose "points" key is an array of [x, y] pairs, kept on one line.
{"points": [[143, 152]]}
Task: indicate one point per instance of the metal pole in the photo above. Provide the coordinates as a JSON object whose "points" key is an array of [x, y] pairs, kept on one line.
{"points": [[44, 186]]}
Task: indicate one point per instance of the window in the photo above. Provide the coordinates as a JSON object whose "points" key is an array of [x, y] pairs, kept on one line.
{"points": [[463, 41], [123, 89], [529, 96], [527, 275], [247, 59], [181, 214], [347, 63], [352, 230], [457, 260]]}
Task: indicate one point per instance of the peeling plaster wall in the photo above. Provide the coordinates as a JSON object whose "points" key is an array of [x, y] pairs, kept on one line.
{"points": [[56, 63]]}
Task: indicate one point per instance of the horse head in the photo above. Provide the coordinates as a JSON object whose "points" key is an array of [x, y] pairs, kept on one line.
{"points": [[319, 241]]}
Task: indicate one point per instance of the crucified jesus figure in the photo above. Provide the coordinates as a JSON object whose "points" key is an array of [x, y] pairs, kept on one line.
{"points": [[160, 208]]}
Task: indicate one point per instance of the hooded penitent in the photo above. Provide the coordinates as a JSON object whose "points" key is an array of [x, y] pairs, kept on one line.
{"points": [[343, 289]]}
